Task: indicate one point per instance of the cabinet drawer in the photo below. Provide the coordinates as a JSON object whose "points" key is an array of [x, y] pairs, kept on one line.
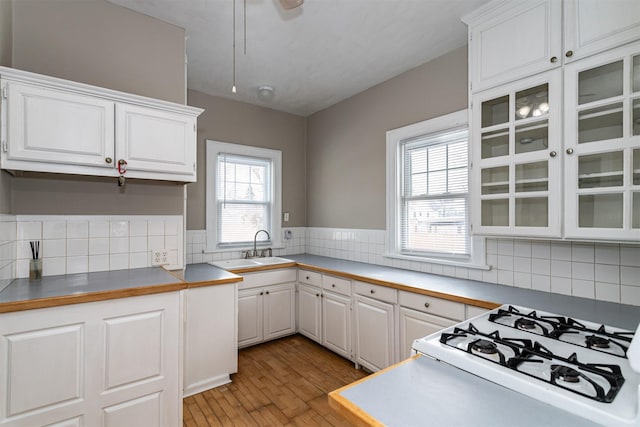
{"points": [[436, 306], [336, 284], [473, 311], [382, 293], [252, 280], [310, 277]]}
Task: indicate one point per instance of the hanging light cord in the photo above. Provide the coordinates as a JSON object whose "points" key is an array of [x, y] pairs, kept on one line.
{"points": [[233, 88], [245, 27]]}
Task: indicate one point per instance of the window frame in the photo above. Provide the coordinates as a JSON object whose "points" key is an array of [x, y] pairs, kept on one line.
{"points": [[394, 174], [213, 149]]}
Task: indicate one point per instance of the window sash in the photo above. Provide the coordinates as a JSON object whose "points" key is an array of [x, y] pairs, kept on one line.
{"points": [[434, 216], [244, 199]]}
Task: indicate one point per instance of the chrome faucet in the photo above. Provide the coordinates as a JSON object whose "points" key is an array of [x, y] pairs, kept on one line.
{"points": [[255, 249]]}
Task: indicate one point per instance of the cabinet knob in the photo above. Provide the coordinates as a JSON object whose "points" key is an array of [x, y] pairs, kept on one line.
{"points": [[333, 285], [307, 277], [569, 150], [108, 160], [554, 59], [121, 162], [267, 292], [569, 54], [373, 291], [426, 305], [553, 154], [261, 293], [317, 295]]}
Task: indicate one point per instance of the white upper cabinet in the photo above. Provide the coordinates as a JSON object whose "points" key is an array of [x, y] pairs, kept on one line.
{"points": [[591, 26], [515, 162], [155, 140], [511, 39], [63, 128], [58, 126], [602, 146]]}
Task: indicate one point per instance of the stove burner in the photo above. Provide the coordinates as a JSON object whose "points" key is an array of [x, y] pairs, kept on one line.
{"points": [[523, 323], [484, 346], [566, 374], [597, 342]]}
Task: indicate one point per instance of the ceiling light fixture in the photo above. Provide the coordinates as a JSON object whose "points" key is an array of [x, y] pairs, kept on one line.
{"points": [[265, 93], [291, 4]]}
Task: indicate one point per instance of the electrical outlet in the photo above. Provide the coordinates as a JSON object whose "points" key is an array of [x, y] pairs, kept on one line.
{"points": [[159, 257], [286, 216]]}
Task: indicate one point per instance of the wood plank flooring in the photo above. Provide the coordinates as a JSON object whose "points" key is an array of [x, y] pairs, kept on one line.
{"points": [[279, 383]]}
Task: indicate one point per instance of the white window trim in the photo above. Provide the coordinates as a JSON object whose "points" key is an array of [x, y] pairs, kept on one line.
{"points": [[213, 148], [477, 259]]}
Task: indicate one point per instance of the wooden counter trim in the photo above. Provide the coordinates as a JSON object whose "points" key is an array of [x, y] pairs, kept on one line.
{"points": [[7, 307], [213, 282], [475, 302], [350, 410], [265, 267]]}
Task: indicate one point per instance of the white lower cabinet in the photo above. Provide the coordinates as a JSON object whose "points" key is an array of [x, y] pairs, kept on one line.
{"points": [[336, 323], [210, 337], [375, 337], [416, 324], [107, 363], [266, 306], [422, 315], [309, 307]]}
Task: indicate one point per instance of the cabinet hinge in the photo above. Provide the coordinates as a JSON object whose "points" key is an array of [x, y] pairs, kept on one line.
{"points": [[194, 166], [4, 145], [4, 92], [194, 128]]}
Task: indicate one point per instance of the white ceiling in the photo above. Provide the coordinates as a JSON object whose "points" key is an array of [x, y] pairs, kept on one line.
{"points": [[313, 56]]}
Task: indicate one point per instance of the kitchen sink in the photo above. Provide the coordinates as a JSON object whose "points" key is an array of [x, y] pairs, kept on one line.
{"points": [[234, 264]]}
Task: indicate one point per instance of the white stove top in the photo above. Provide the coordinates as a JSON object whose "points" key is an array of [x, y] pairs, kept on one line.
{"points": [[578, 366]]}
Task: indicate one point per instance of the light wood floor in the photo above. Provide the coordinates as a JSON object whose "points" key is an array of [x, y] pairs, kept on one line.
{"points": [[279, 383]]}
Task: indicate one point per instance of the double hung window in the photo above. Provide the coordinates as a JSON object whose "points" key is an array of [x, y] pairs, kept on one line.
{"points": [[243, 195]]}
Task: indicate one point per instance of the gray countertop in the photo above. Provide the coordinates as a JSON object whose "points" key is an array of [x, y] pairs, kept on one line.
{"points": [[620, 315], [424, 392], [23, 294]]}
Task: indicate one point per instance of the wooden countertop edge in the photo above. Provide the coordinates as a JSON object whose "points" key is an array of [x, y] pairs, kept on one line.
{"points": [[471, 301], [213, 282], [353, 412], [263, 267], [7, 307]]}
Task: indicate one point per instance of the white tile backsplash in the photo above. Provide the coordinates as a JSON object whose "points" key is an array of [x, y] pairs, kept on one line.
{"points": [[606, 272], [78, 244]]}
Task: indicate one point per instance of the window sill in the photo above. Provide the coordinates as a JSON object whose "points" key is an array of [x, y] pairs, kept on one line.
{"points": [[441, 261]]}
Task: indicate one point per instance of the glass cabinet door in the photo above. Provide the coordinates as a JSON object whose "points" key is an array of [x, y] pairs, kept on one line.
{"points": [[515, 165], [602, 146]]}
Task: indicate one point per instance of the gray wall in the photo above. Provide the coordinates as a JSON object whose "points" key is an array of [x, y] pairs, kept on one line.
{"points": [[99, 43], [346, 142], [5, 60], [236, 122]]}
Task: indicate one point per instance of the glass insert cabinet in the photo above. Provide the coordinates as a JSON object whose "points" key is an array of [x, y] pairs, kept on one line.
{"points": [[515, 157], [602, 146]]}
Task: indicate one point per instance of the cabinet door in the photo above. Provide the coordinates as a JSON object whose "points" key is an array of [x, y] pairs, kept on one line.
{"points": [[310, 312], [513, 41], [336, 323], [375, 337], [516, 167], [602, 146], [250, 317], [416, 324], [592, 26], [157, 141], [211, 337], [279, 311], [56, 128]]}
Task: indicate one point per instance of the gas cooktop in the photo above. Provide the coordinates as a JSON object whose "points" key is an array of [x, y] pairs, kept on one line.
{"points": [[576, 365]]}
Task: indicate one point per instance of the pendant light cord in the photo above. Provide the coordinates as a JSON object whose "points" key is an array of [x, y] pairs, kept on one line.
{"points": [[233, 88]]}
